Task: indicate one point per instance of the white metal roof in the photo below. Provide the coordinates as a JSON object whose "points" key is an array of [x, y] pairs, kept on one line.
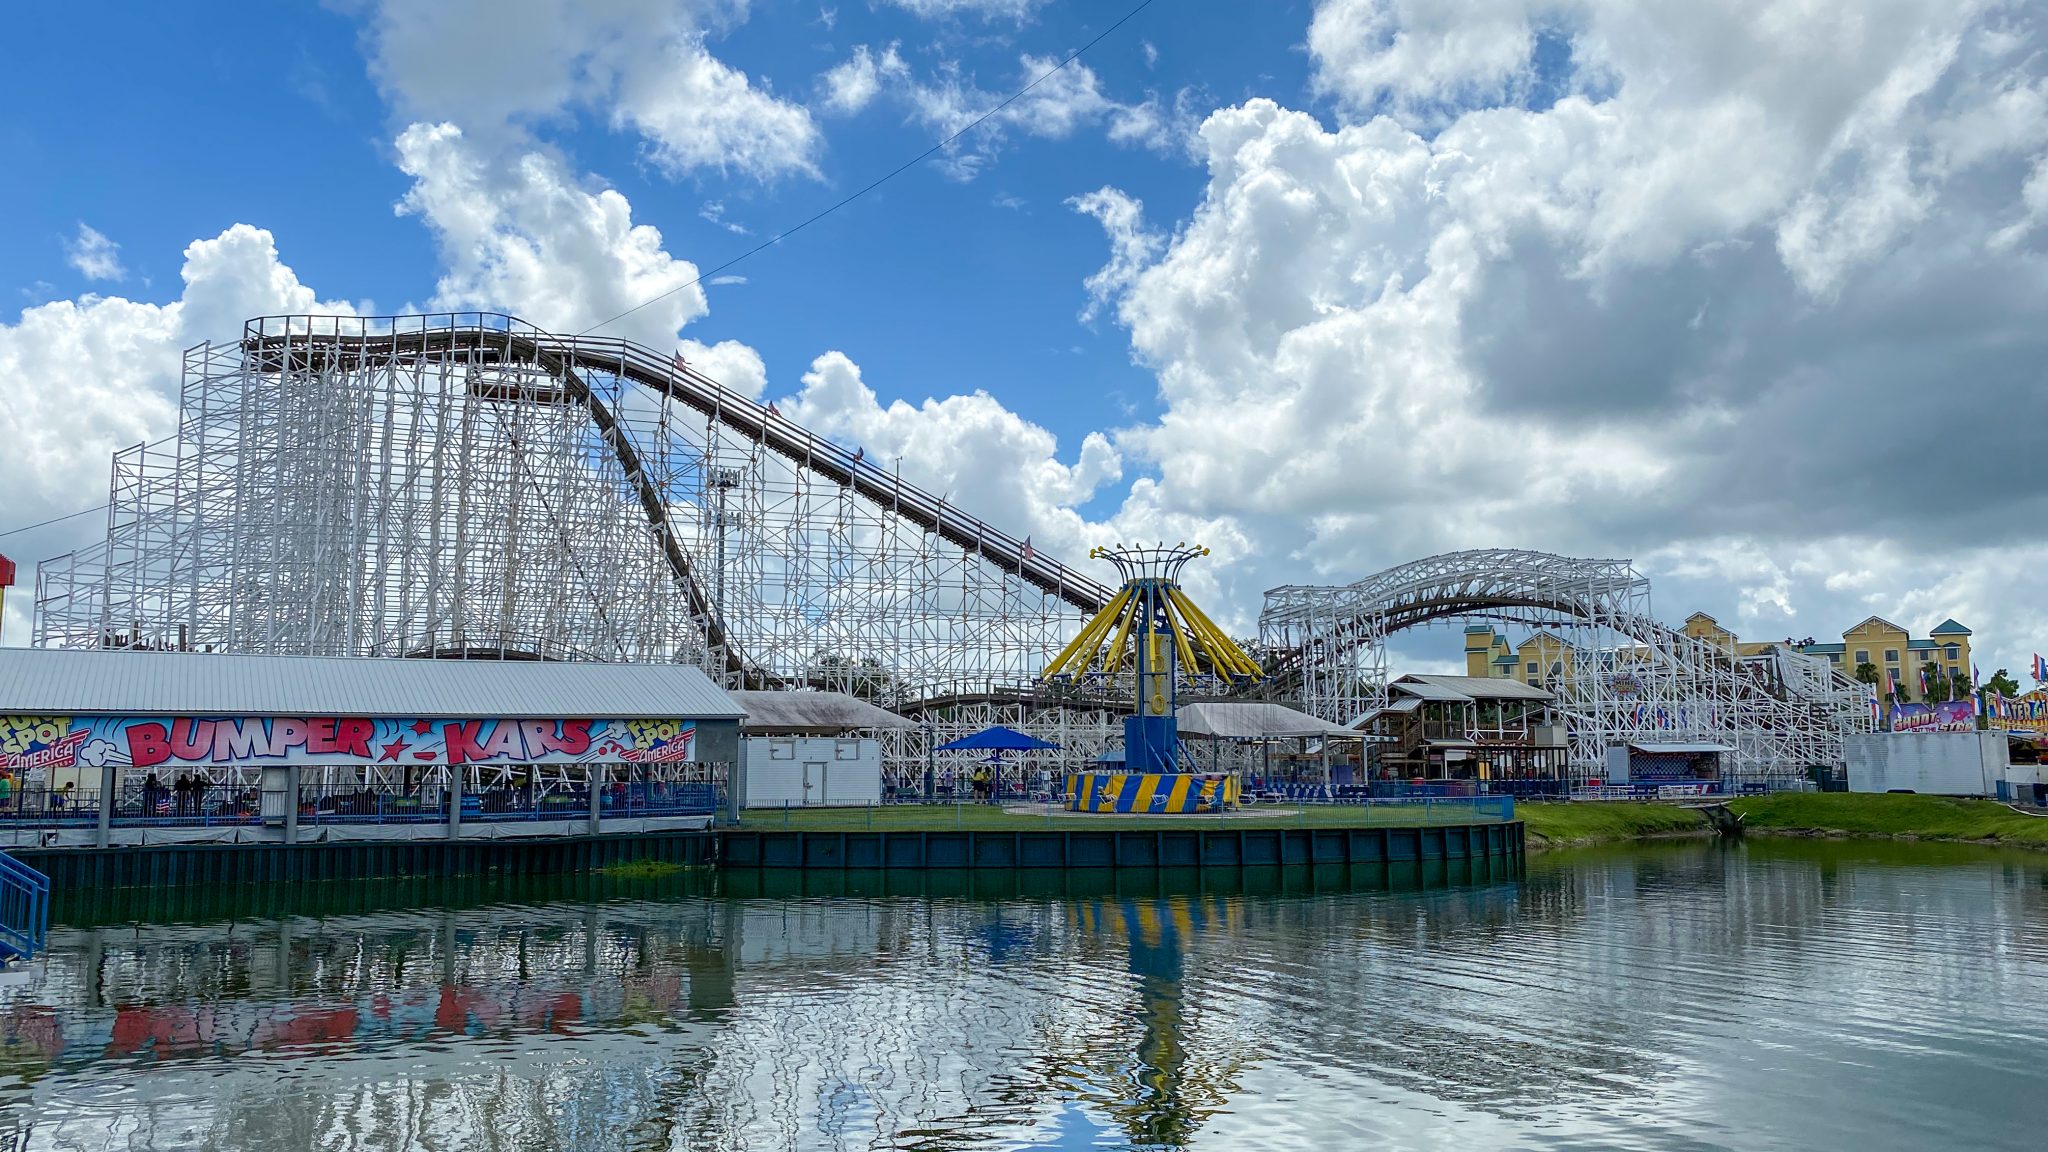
{"points": [[822, 712], [1468, 688], [1395, 708], [1656, 748], [43, 681], [1253, 721], [1424, 690]]}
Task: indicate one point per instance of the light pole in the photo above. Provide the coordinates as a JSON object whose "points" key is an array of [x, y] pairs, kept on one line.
{"points": [[722, 480]]}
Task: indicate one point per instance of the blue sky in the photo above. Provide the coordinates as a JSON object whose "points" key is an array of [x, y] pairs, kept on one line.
{"points": [[1327, 285], [267, 114]]}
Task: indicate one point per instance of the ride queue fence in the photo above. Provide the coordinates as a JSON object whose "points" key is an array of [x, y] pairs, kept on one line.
{"points": [[693, 789], [140, 805], [1425, 809], [620, 799], [365, 804], [41, 808], [1256, 790], [1445, 802], [1398, 811]]}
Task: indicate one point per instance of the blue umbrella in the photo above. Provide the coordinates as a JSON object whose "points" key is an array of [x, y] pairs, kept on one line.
{"points": [[998, 739]]}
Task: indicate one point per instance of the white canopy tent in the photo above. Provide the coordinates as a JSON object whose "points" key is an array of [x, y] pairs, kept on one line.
{"points": [[1262, 724], [1217, 720]]}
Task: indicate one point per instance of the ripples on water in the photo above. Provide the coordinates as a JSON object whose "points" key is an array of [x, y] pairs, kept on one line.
{"points": [[1778, 995]]}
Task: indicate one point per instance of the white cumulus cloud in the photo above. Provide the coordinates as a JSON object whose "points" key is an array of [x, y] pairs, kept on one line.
{"points": [[523, 235], [731, 363], [853, 83], [81, 378], [95, 256], [1012, 10], [642, 64], [1709, 280], [969, 448], [1064, 102], [1417, 55], [1131, 247]]}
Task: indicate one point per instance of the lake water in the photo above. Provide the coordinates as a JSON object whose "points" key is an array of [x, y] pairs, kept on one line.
{"points": [[1695, 996]]}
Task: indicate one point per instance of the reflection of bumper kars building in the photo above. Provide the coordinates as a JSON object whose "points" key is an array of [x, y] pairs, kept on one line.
{"points": [[100, 745], [49, 1035]]}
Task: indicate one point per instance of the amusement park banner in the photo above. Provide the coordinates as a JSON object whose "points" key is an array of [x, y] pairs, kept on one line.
{"points": [[32, 745], [2026, 714], [1947, 716]]}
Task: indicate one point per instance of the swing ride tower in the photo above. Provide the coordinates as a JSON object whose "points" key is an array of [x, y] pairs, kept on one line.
{"points": [[1152, 633]]}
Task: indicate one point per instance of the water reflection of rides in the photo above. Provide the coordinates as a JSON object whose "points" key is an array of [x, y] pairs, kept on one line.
{"points": [[829, 1022]]}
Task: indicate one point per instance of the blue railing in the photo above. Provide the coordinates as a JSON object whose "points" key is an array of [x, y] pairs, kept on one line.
{"points": [[42, 808], [1531, 789], [357, 804], [1286, 792], [1424, 806], [24, 909], [656, 798], [365, 804], [1431, 809], [164, 807]]}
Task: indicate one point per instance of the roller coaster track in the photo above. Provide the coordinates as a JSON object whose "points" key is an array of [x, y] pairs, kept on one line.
{"points": [[573, 357], [1329, 644]]}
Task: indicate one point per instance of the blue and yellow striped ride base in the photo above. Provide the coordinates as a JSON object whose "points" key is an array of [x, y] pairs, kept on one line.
{"points": [[1150, 793]]}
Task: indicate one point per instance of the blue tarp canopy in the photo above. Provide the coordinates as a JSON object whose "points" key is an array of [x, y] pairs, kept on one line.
{"points": [[998, 739]]}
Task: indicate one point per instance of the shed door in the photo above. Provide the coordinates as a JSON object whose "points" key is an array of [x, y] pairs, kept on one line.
{"points": [[815, 791]]}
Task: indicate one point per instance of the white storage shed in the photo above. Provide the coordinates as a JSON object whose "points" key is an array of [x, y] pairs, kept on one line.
{"points": [[811, 749], [811, 771]]}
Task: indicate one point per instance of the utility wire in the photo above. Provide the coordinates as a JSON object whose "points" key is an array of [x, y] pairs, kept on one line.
{"points": [[900, 169], [50, 521]]}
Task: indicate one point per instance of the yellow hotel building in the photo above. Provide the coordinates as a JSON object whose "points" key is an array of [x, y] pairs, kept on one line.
{"points": [[1543, 657], [1540, 661]]}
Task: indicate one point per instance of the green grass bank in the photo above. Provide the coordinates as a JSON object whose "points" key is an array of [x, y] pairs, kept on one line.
{"points": [[1550, 825], [1891, 817]]}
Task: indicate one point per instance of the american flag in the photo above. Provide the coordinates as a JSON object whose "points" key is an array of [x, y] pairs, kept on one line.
{"points": [[1028, 552]]}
